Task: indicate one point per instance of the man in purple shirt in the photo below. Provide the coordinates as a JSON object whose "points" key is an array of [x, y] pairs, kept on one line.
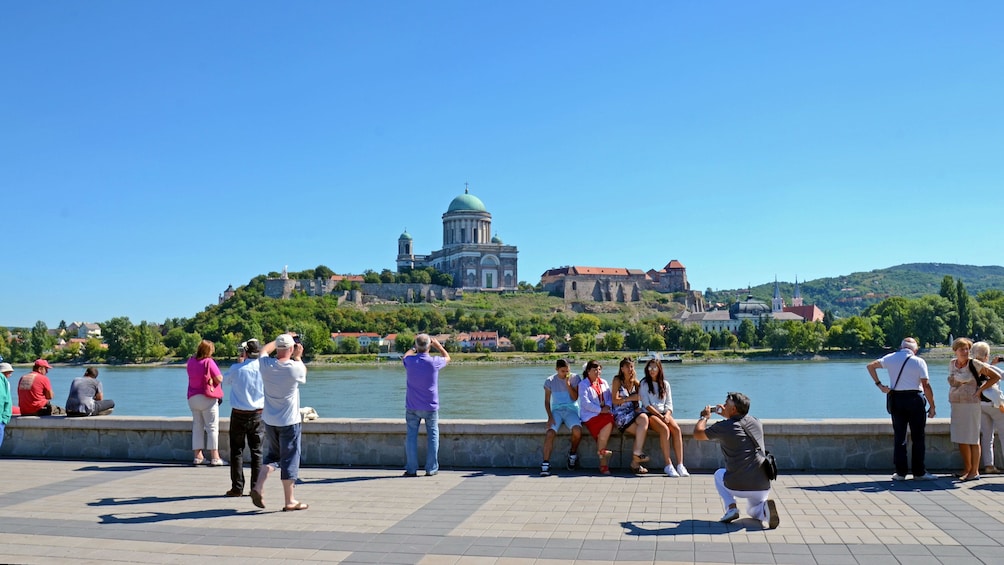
{"points": [[422, 402]]}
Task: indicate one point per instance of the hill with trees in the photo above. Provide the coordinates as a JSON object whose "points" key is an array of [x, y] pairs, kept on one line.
{"points": [[849, 295]]}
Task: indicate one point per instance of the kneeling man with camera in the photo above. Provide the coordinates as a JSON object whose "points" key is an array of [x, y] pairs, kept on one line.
{"points": [[740, 437]]}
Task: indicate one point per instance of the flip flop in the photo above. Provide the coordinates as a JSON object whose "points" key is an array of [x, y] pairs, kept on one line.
{"points": [[295, 507], [256, 499]]}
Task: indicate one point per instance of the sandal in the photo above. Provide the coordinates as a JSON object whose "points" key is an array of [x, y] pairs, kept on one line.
{"points": [[198, 461], [637, 459], [639, 470], [605, 470], [295, 507]]}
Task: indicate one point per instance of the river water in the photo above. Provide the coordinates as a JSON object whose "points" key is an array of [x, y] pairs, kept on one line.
{"points": [[790, 389]]}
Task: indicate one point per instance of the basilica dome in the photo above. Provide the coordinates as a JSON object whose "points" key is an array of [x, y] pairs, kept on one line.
{"points": [[467, 202]]}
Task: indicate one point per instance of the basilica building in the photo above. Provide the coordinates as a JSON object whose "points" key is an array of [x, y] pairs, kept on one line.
{"points": [[476, 259]]}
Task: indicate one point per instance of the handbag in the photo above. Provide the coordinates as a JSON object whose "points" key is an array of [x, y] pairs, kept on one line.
{"points": [[769, 464], [992, 394], [210, 389], [888, 397]]}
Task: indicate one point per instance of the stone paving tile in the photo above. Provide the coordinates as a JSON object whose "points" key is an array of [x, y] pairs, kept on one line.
{"points": [[364, 515]]}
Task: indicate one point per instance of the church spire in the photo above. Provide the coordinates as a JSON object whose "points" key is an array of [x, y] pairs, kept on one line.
{"points": [[796, 299], [777, 304]]}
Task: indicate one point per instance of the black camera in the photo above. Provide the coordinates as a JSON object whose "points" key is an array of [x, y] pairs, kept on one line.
{"points": [[296, 339]]}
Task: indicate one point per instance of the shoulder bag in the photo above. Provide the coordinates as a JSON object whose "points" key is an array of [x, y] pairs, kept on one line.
{"points": [[769, 464], [888, 397]]}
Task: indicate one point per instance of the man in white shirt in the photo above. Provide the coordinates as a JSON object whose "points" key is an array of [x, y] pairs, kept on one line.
{"points": [[281, 378], [908, 387], [247, 401]]}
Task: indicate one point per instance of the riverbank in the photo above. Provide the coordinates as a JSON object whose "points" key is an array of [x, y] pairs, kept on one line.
{"points": [[576, 358]]}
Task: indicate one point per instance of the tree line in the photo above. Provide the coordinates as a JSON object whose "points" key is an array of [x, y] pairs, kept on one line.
{"points": [[932, 319]]}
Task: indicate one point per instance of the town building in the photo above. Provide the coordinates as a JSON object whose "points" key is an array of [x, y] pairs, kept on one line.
{"points": [[753, 310], [475, 258]]}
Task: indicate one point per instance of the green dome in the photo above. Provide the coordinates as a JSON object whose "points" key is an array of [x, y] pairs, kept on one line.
{"points": [[496, 239], [467, 202], [405, 235]]}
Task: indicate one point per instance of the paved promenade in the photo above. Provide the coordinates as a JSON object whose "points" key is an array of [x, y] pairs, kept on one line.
{"points": [[129, 512]]}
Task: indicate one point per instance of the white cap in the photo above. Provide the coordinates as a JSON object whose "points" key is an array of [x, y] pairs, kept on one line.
{"points": [[284, 341]]}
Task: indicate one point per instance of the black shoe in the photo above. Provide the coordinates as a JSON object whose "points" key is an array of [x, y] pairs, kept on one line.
{"points": [[573, 461], [234, 493], [407, 474]]}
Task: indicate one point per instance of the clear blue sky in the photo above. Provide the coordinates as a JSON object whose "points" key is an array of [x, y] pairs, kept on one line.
{"points": [[153, 153]]}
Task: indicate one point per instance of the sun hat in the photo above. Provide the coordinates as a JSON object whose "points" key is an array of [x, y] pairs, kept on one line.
{"points": [[5, 367]]}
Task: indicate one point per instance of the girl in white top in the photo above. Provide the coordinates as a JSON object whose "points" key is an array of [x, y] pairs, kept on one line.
{"points": [[657, 400]]}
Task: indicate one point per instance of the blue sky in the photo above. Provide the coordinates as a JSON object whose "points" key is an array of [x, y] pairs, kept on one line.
{"points": [[153, 153]]}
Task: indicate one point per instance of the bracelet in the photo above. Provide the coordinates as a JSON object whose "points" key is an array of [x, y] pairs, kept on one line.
{"points": [[878, 383]]}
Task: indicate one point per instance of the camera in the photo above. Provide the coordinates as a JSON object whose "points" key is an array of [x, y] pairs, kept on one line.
{"points": [[296, 339]]}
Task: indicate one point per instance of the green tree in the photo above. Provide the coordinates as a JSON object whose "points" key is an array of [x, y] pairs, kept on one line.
{"points": [[322, 272], [964, 308], [550, 346], [387, 276], [93, 352], [948, 290], [189, 345], [894, 319], [119, 334], [929, 315], [613, 341], [693, 338], [529, 345], [585, 324], [348, 345], [404, 342], [747, 333], [40, 339], [370, 276], [582, 342]]}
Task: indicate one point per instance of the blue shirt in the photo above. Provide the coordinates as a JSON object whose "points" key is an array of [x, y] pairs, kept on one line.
{"points": [[422, 371], [246, 392]]}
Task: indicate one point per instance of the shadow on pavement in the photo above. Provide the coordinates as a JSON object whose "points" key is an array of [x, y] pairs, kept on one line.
{"points": [[888, 485], [689, 527], [153, 517], [119, 468], [144, 500]]}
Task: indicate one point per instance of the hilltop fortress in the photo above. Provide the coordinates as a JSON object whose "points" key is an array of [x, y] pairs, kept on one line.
{"points": [[481, 262]]}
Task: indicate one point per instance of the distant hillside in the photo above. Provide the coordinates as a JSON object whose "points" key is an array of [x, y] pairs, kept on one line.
{"points": [[850, 294]]}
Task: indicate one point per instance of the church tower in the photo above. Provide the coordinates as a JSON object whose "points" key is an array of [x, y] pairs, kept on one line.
{"points": [[777, 303], [405, 251], [796, 300]]}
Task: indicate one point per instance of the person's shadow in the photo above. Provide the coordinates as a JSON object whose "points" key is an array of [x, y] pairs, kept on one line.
{"points": [[144, 500], [689, 527], [886, 485], [154, 517]]}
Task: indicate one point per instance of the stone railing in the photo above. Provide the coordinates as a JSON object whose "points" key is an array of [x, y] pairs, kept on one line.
{"points": [[798, 445]]}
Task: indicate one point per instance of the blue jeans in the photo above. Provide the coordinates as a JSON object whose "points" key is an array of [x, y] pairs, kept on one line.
{"points": [[2, 427], [283, 449], [412, 418]]}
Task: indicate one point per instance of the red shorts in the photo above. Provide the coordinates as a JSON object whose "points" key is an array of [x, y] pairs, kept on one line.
{"points": [[596, 424]]}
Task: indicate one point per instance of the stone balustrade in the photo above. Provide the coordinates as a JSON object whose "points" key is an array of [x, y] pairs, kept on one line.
{"points": [[798, 445]]}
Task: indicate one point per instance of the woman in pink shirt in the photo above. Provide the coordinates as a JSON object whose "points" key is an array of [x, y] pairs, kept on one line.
{"points": [[204, 397]]}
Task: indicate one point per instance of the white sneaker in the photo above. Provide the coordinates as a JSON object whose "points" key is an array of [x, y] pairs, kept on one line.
{"points": [[682, 471], [671, 472], [898, 477], [730, 515], [928, 477]]}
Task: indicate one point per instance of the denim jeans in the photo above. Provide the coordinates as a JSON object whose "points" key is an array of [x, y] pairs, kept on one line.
{"points": [[283, 449], [412, 419]]}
